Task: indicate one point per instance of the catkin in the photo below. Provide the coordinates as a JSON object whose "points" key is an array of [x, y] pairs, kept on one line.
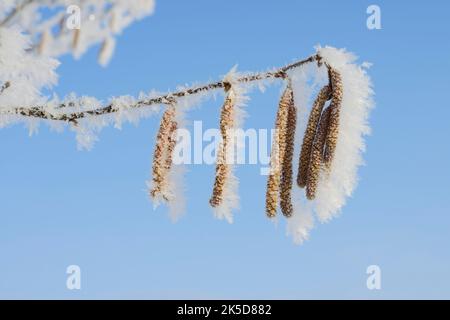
{"points": [[333, 126], [171, 142], [76, 38], [222, 166], [287, 174], [162, 157], [278, 153], [310, 132], [46, 37], [316, 162]]}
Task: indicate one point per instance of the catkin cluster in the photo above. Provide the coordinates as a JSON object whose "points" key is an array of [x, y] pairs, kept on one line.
{"points": [[321, 135], [317, 149]]}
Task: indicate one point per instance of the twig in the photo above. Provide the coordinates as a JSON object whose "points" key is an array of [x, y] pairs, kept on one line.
{"points": [[5, 86], [40, 112]]}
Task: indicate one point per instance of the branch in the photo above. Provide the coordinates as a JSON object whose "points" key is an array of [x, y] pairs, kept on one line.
{"points": [[5, 86], [41, 113]]}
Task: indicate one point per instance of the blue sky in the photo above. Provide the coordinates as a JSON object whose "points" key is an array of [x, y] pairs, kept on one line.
{"points": [[60, 206]]}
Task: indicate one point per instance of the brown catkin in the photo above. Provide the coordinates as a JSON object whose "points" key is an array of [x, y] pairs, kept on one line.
{"points": [[310, 132], [287, 174], [43, 42], [278, 153], [171, 142], [333, 126], [316, 162], [162, 156], [222, 166], [61, 26], [76, 38]]}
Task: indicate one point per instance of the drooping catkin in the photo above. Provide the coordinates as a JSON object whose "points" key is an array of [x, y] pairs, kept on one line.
{"points": [[171, 142], [278, 153], [106, 51], [287, 172], [46, 38], [333, 126], [162, 157], [310, 132], [61, 26], [76, 38], [222, 165], [315, 164]]}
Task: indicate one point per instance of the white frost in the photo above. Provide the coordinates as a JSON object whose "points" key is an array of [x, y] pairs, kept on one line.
{"points": [[356, 105], [26, 74], [99, 22]]}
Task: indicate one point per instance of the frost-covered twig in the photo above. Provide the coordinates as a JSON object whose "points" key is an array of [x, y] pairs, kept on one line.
{"points": [[40, 112], [5, 86], [57, 27]]}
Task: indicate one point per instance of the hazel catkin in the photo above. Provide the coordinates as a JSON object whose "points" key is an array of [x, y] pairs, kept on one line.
{"points": [[315, 165], [310, 133], [278, 152], [333, 126], [287, 172], [162, 156], [222, 165]]}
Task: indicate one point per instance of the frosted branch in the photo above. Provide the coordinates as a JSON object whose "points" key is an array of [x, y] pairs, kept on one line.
{"points": [[40, 112], [61, 30]]}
